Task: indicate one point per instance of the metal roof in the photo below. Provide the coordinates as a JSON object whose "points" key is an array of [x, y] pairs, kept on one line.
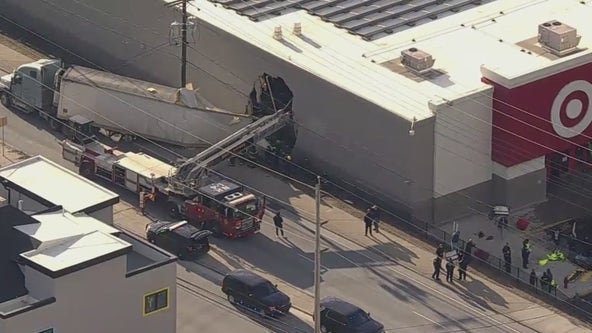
{"points": [[369, 19], [110, 81]]}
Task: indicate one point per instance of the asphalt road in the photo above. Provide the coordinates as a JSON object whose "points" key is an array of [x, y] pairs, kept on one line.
{"points": [[402, 299]]}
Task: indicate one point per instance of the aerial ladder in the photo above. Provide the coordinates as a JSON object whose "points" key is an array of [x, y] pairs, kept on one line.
{"points": [[187, 177]]}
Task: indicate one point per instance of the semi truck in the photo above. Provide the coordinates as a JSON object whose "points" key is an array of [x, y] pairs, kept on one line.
{"points": [[190, 190], [87, 100]]}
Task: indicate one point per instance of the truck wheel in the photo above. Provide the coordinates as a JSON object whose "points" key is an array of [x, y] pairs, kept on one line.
{"points": [[5, 100], [55, 125], [174, 210], [86, 170], [214, 227]]}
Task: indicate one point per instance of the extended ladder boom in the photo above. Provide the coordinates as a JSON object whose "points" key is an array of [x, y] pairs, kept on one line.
{"points": [[192, 169]]}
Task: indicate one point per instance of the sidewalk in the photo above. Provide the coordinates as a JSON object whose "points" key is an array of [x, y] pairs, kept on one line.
{"points": [[413, 259], [472, 225]]}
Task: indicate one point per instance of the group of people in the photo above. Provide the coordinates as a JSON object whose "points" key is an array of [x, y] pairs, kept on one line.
{"points": [[462, 257], [547, 282]]}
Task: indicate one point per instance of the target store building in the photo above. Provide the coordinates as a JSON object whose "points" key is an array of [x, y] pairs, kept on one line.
{"points": [[439, 108]]}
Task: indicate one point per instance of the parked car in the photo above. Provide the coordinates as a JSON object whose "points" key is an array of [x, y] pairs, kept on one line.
{"points": [[339, 316], [179, 238], [245, 288]]}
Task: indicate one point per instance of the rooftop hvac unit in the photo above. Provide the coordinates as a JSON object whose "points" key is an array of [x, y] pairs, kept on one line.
{"points": [[417, 61], [560, 39]]}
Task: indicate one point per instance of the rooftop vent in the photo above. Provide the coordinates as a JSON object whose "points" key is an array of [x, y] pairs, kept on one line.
{"points": [[560, 39], [417, 61]]}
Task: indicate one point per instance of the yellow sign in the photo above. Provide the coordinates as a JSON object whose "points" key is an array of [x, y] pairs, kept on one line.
{"points": [[3, 121]]}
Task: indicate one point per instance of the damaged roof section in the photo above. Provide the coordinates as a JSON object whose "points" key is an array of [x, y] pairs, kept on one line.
{"points": [[369, 19]]}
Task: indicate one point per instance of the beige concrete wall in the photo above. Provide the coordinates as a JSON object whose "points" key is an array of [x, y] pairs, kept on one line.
{"points": [[101, 299]]}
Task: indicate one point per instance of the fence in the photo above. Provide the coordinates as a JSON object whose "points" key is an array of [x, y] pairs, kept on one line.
{"points": [[553, 295]]}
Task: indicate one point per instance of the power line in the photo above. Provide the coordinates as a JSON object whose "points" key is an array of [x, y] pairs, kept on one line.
{"points": [[276, 199]]}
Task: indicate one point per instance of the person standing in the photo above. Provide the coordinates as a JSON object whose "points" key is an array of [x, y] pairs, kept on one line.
{"points": [[507, 258], [279, 224], [462, 267], [455, 240], [440, 251], [449, 270], [368, 221], [525, 254], [469, 247], [437, 268], [533, 278]]}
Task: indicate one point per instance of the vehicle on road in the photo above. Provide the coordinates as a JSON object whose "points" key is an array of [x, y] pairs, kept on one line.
{"points": [[116, 104], [179, 238], [248, 289], [339, 316], [190, 190]]}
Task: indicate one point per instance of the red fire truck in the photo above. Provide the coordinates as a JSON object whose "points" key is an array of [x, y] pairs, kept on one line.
{"points": [[190, 193]]}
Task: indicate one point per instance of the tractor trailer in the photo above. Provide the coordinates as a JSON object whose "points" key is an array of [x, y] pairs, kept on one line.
{"points": [[88, 100]]}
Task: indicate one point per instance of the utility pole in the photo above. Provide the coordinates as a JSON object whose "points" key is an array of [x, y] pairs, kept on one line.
{"points": [[317, 270], [184, 27], [184, 46]]}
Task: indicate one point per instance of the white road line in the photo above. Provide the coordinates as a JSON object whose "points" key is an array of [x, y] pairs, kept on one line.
{"points": [[428, 319]]}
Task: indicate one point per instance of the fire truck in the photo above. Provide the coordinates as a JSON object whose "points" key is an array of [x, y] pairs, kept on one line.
{"points": [[190, 190]]}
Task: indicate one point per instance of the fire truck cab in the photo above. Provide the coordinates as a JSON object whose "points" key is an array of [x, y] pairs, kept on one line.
{"points": [[225, 208]]}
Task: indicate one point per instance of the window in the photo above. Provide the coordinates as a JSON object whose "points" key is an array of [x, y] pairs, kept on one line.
{"points": [[33, 75], [49, 330], [156, 301]]}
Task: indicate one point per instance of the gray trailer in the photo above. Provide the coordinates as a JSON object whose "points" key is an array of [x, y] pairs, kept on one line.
{"points": [[90, 100]]}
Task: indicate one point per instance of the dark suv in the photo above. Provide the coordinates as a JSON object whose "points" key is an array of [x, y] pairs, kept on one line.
{"points": [[250, 290], [339, 316], [179, 238]]}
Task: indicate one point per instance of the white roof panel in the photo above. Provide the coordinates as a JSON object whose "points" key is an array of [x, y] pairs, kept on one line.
{"points": [[60, 225], [460, 44], [145, 165], [56, 184], [76, 250]]}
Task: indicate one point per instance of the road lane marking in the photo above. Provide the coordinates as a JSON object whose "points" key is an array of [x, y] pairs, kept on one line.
{"points": [[428, 319]]}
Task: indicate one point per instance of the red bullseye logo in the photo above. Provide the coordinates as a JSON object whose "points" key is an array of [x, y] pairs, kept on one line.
{"points": [[571, 113]]}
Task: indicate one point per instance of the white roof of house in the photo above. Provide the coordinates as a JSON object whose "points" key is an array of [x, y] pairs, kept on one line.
{"points": [[74, 250], [56, 184], [62, 225], [460, 43]]}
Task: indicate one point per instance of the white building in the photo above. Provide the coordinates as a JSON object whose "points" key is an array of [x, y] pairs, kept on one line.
{"points": [[70, 273], [65, 268], [488, 115], [43, 184]]}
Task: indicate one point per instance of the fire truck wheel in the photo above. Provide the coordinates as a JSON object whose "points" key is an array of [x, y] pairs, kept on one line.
{"points": [[214, 227], [174, 210], [86, 170]]}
